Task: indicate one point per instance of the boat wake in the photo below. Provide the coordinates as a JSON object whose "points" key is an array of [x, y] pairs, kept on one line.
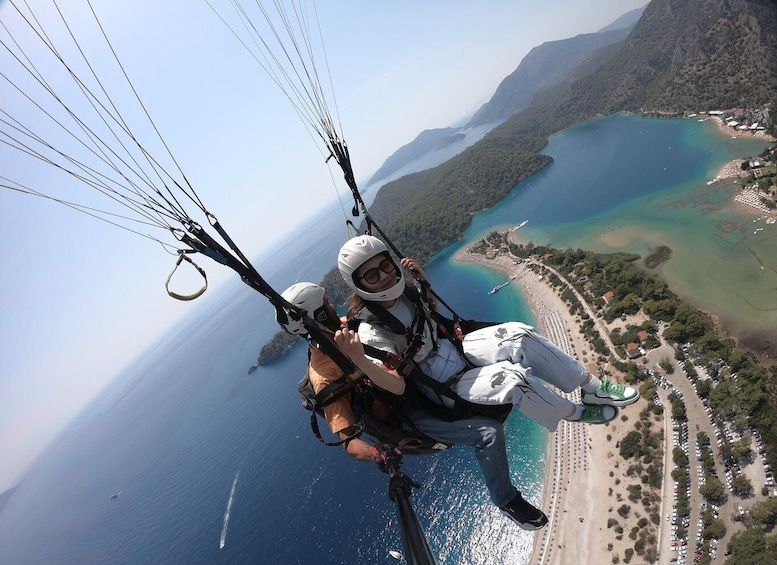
{"points": [[227, 511]]}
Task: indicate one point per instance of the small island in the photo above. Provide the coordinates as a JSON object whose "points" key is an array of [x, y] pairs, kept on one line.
{"points": [[660, 255]]}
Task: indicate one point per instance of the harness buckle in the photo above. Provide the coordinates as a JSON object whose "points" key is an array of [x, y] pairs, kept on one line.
{"points": [[402, 365]]}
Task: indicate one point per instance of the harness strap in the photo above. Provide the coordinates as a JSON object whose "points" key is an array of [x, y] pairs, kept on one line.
{"points": [[333, 391], [358, 428], [326, 396], [393, 361], [414, 334], [414, 441], [321, 340], [462, 408]]}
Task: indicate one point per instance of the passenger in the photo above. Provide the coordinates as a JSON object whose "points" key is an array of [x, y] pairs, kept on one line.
{"points": [[484, 434], [496, 365]]}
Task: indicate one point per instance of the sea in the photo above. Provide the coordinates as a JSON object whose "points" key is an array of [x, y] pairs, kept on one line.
{"points": [[189, 457]]}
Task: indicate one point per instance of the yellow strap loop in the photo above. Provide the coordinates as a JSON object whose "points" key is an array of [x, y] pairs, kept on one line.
{"points": [[181, 257]]}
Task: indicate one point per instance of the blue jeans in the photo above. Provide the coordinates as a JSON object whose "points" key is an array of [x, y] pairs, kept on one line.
{"points": [[486, 435]]}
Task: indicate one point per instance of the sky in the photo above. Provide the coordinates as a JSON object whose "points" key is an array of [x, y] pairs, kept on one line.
{"points": [[80, 299]]}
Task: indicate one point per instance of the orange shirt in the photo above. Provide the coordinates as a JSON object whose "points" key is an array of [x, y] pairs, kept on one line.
{"points": [[323, 371]]}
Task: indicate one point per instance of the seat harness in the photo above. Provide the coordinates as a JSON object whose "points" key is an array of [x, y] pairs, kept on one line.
{"points": [[399, 430], [406, 366]]}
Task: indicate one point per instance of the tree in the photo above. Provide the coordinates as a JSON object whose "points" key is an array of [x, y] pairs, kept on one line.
{"points": [[763, 514], [714, 491], [678, 409], [635, 492], [680, 458], [654, 476], [703, 388], [660, 309], [741, 450], [652, 342], [752, 546], [708, 343], [736, 360], [742, 486], [687, 325], [715, 530], [631, 445]]}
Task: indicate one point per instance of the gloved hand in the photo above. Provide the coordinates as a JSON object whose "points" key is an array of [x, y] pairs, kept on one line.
{"points": [[386, 456]]}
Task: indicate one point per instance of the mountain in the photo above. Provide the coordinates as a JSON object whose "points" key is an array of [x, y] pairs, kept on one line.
{"points": [[687, 56], [5, 496], [548, 65], [690, 56], [627, 20], [544, 66], [427, 141]]}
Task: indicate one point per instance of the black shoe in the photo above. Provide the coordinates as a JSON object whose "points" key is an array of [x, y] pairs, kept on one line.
{"points": [[524, 514]]}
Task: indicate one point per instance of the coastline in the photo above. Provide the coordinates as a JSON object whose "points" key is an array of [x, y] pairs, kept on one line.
{"points": [[727, 130], [748, 201], [582, 468]]}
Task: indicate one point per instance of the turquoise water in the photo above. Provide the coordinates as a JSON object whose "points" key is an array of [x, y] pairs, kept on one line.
{"points": [[623, 183], [180, 427]]}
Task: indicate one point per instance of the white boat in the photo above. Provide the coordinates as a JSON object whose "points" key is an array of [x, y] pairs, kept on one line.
{"points": [[519, 226], [396, 555]]}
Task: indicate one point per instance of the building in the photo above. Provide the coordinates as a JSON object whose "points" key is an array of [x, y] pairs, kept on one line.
{"points": [[633, 351]]}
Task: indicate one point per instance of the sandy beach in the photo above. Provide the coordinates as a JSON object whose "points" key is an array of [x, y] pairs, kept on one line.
{"points": [[582, 463], [726, 129]]}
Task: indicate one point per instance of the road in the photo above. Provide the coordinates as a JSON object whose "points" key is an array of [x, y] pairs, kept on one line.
{"points": [[698, 420]]}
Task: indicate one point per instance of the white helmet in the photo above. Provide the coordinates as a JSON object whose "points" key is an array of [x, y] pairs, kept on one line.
{"points": [[358, 251], [308, 297]]}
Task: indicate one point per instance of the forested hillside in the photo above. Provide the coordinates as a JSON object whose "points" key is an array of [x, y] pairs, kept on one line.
{"points": [[688, 56], [544, 67], [681, 56], [428, 140]]}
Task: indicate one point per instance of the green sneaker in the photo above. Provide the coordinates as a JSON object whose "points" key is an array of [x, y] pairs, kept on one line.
{"points": [[597, 414], [611, 394]]}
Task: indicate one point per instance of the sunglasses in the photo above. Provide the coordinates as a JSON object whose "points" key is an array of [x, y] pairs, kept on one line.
{"points": [[371, 276]]}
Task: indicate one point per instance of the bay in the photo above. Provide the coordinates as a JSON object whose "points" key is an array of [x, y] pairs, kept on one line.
{"points": [[184, 425], [625, 183]]}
